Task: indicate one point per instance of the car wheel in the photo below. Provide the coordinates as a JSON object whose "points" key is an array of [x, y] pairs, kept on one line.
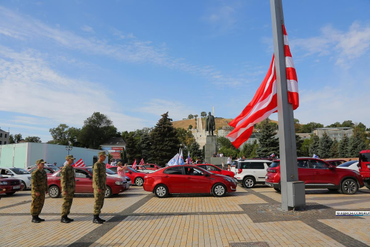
{"points": [[139, 181], [24, 185], [108, 192], [249, 182], [367, 184], [219, 190], [277, 189], [54, 191], [10, 193], [349, 186], [161, 191]]}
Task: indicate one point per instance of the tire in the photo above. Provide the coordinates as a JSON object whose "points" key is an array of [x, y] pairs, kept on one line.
{"points": [[24, 186], [349, 186], [367, 184], [139, 181], [219, 190], [249, 182], [10, 193], [54, 191], [108, 192], [277, 189], [161, 191]]}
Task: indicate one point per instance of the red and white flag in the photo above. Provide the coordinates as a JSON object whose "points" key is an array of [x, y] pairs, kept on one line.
{"points": [[79, 163], [134, 165], [264, 101], [141, 162]]}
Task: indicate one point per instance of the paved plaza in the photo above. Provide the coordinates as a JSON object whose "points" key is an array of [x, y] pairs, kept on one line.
{"points": [[248, 217]]}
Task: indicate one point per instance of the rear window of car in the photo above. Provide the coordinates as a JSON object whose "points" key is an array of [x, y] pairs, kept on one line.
{"points": [[257, 165], [174, 171], [275, 164], [347, 164]]}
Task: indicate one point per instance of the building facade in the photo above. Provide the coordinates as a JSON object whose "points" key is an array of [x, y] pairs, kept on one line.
{"points": [[334, 133], [4, 137]]}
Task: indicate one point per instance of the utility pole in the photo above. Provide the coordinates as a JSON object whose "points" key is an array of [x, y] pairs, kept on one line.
{"points": [[292, 190]]}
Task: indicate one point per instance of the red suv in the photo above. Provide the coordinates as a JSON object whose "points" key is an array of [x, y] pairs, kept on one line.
{"points": [[316, 173]]}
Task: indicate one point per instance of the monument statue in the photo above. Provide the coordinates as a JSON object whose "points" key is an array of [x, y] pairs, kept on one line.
{"points": [[210, 124]]}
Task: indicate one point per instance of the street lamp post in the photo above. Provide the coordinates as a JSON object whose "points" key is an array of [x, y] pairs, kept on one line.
{"points": [[69, 148]]}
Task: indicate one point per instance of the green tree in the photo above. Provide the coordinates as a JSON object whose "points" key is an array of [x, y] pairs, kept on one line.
{"points": [[224, 146], [97, 129], [185, 137], [355, 145], [145, 147], [334, 149], [305, 148], [297, 126], [343, 147], [165, 143], [348, 123], [15, 139], [314, 146], [195, 151], [203, 114], [133, 147], [124, 156], [11, 139], [334, 125], [191, 116], [60, 134], [308, 128], [324, 146], [33, 139], [268, 141], [190, 127], [299, 143]]}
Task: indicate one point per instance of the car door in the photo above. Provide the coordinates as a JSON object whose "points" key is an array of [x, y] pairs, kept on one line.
{"points": [[259, 170], [174, 179], [322, 173], [305, 172], [83, 181], [196, 181]]}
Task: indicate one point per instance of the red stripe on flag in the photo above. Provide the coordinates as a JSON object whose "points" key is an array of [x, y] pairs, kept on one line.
{"points": [[79, 163]]}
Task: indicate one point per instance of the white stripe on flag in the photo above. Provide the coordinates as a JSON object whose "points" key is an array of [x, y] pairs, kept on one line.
{"points": [[292, 86]]}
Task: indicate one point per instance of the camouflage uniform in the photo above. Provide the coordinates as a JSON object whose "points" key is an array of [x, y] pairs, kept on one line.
{"points": [[99, 180], [68, 184], [39, 183]]}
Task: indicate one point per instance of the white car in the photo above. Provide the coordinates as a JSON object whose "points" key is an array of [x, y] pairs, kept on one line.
{"points": [[352, 165], [19, 173], [251, 172]]}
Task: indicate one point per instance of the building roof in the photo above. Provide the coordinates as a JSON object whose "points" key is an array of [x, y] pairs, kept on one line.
{"points": [[115, 141]]}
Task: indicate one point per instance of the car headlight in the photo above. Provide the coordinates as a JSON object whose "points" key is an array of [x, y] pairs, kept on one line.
{"points": [[3, 183], [119, 182]]}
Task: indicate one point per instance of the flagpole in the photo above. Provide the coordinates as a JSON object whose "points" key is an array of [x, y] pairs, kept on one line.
{"points": [[292, 190]]}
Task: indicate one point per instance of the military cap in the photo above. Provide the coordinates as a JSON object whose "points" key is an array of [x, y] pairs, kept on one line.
{"points": [[40, 161], [70, 157], [102, 153]]}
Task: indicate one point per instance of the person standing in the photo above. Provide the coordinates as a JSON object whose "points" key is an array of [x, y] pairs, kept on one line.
{"points": [[68, 184], [99, 180], [121, 170], [229, 159], [39, 187]]}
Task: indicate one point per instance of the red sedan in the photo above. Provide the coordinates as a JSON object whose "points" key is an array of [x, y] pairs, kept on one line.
{"points": [[135, 176], [187, 179], [84, 183], [214, 169], [10, 185]]}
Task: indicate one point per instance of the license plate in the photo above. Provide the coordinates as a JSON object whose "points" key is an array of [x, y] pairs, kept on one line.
{"points": [[16, 187]]}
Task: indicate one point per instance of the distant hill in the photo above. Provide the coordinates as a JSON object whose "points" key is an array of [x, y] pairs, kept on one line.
{"points": [[220, 122]]}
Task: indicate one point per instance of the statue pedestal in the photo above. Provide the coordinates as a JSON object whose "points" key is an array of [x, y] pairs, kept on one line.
{"points": [[210, 148]]}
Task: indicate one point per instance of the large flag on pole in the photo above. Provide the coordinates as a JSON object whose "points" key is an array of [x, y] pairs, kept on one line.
{"points": [[264, 101], [181, 159], [174, 161], [134, 165]]}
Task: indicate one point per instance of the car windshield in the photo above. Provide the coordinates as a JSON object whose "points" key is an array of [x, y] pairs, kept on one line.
{"points": [[275, 164], [347, 164], [132, 170], [365, 157], [203, 170], [110, 172], [19, 171]]}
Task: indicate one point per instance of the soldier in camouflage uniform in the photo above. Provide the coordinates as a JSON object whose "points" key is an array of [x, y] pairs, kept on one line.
{"points": [[99, 180], [68, 184], [39, 187]]}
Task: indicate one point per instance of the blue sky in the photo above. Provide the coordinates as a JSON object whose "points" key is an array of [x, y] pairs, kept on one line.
{"points": [[135, 60]]}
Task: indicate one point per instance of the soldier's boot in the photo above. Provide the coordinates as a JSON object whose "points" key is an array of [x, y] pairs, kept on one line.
{"points": [[64, 219], [69, 219], [39, 218], [35, 219], [101, 219], [97, 220]]}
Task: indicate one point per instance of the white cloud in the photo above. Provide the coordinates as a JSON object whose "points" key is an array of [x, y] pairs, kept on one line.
{"points": [[87, 29], [32, 88], [221, 18], [343, 45]]}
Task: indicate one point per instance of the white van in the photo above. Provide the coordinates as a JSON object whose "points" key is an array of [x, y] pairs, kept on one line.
{"points": [[250, 172]]}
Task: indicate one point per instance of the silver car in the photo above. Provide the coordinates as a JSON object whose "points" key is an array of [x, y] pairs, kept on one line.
{"points": [[19, 173]]}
